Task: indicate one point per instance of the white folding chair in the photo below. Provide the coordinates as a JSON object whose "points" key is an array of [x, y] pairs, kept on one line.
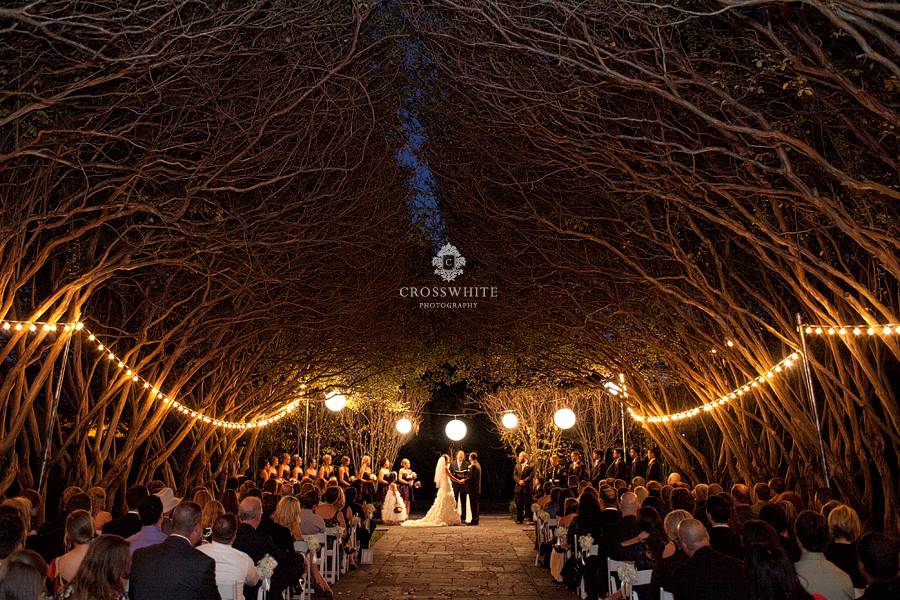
{"points": [[305, 590], [640, 577], [664, 595], [594, 551], [331, 569]]}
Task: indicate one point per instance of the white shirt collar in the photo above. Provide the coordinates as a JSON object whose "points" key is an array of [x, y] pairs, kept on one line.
{"points": [[178, 535]]}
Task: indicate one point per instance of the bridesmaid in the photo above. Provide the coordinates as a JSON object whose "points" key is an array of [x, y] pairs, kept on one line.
{"points": [[366, 481], [327, 469], [343, 473], [312, 468], [297, 471], [405, 477], [382, 481]]}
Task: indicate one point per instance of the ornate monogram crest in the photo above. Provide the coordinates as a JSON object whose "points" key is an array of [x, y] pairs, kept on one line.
{"points": [[448, 263]]}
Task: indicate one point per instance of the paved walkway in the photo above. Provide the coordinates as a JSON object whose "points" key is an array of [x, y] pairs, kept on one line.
{"points": [[494, 560]]}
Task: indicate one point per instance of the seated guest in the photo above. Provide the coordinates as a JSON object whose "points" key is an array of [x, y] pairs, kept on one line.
{"points": [[757, 531], [682, 499], [232, 565], [722, 537], [211, 511], [79, 533], [714, 490], [707, 573], [828, 507], [762, 494], [12, 532], [174, 570], [287, 513], [646, 549], [670, 562], [23, 507], [102, 573], [878, 564], [628, 506], [230, 502], [774, 515], [23, 576], [701, 495], [776, 485], [740, 495], [642, 494], [329, 510], [98, 507], [310, 522], [51, 536], [772, 576], [816, 573], [844, 529], [151, 511], [570, 510], [129, 523], [257, 544], [281, 535]]}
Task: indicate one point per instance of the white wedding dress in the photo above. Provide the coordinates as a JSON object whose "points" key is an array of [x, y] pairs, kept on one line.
{"points": [[443, 512]]}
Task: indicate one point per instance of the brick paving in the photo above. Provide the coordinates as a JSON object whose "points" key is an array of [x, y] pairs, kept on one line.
{"points": [[494, 560]]}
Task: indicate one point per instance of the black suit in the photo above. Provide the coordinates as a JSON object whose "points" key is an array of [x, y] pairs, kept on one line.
{"points": [[473, 488], [257, 544], [654, 471], [710, 575], [617, 469], [522, 472], [172, 570], [638, 467], [125, 526], [458, 470], [726, 541], [556, 475], [578, 470], [598, 471]]}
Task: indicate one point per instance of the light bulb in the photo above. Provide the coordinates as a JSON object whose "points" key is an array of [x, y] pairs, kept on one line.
{"points": [[564, 418], [404, 425], [455, 430], [510, 420], [335, 402]]}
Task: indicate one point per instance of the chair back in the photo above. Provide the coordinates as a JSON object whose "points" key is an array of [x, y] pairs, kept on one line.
{"points": [[664, 595]]}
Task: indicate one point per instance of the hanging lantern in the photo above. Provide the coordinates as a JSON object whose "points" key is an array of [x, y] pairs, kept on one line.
{"points": [[510, 420], [404, 426], [455, 430], [564, 418], [335, 402]]}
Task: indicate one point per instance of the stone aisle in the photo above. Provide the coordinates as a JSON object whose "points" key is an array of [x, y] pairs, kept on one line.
{"points": [[493, 560]]}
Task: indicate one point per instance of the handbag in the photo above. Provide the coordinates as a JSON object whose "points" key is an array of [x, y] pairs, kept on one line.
{"points": [[572, 572], [398, 510]]}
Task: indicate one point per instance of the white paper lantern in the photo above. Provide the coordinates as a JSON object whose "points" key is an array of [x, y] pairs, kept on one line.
{"points": [[335, 402], [455, 430], [564, 418], [510, 420], [404, 426]]}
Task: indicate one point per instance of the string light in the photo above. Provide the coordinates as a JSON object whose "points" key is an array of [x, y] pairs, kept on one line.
{"points": [[856, 330], [776, 370], [32, 326]]}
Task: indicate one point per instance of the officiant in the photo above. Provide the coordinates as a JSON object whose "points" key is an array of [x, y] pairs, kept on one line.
{"points": [[459, 469]]}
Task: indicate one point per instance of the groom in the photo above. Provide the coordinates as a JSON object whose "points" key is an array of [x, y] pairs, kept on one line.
{"points": [[473, 486], [458, 470]]}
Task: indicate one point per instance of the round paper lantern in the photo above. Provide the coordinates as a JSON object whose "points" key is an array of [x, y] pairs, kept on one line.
{"points": [[404, 426], [510, 420], [564, 418], [455, 430], [335, 402]]}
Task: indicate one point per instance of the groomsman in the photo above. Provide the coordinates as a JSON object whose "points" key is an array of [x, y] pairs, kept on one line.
{"points": [[654, 470], [638, 463], [576, 467], [458, 469], [617, 468], [473, 486], [522, 475], [556, 473], [598, 468]]}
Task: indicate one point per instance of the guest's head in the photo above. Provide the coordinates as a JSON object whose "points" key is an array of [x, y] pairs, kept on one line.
{"points": [[774, 515], [150, 510], [134, 495], [692, 536], [628, 504], [98, 499], [757, 531], [331, 495], [12, 532], [654, 488], [672, 521], [309, 500], [588, 506], [843, 524], [776, 484], [641, 493], [701, 492], [473, 457], [609, 497], [287, 514], [828, 507], [648, 521], [186, 521], [637, 482], [224, 529], [572, 482], [270, 486], [718, 509], [79, 501], [209, 513], [350, 495], [673, 478], [714, 489], [201, 497], [878, 557], [155, 487], [23, 576], [772, 575], [570, 506], [653, 502], [812, 531], [762, 492], [250, 511], [37, 506], [71, 491], [230, 501], [103, 571], [795, 499], [269, 502], [740, 493], [79, 528], [21, 506], [682, 499]]}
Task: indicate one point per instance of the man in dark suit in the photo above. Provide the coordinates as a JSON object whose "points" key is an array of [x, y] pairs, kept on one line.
{"points": [[638, 464], [654, 470], [174, 570], [598, 468], [522, 476], [707, 574], [458, 472], [129, 523], [617, 468], [743, 512], [576, 467], [608, 531], [473, 486], [556, 473], [721, 536], [250, 540]]}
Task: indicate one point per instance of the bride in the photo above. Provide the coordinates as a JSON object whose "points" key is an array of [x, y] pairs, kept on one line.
{"points": [[443, 511]]}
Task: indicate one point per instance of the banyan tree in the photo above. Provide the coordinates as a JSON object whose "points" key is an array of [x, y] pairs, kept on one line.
{"points": [[230, 198]]}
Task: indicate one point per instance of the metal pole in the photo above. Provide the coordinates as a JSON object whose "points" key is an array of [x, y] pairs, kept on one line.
{"points": [[622, 406], [812, 399], [306, 433], [53, 410]]}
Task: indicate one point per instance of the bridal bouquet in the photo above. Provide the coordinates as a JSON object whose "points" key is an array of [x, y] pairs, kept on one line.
{"points": [[266, 566], [586, 542]]}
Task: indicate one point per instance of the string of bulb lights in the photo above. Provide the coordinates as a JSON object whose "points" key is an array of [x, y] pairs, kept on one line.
{"points": [[855, 330]]}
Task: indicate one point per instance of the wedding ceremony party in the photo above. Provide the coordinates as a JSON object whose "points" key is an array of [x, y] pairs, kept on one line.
{"points": [[443, 299]]}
